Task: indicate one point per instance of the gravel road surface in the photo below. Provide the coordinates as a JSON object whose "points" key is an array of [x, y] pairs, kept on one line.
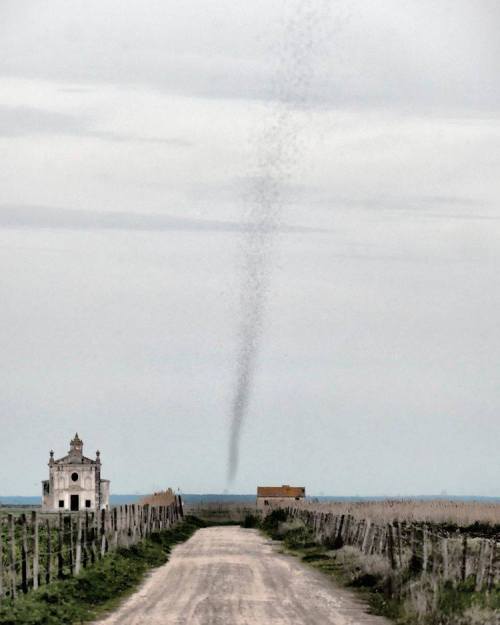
{"points": [[235, 576]]}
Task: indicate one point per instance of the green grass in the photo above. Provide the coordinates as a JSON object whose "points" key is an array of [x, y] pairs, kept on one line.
{"points": [[98, 588]]}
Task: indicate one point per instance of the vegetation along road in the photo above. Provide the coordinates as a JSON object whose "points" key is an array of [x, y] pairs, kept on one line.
{"points": [[234, 576]]}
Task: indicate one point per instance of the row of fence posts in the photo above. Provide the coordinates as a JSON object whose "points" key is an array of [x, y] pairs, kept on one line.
{"points": [[418, 547], [52, 546]]}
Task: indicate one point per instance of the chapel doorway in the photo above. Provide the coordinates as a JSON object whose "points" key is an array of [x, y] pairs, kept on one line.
{"points": [[75, 503]]}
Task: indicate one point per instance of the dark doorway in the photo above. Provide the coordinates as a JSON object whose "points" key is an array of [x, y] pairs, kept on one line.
{"points": [[75, 503]]}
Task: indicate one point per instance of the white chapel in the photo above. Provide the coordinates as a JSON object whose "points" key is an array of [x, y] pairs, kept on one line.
{"points": [[75, 482]]}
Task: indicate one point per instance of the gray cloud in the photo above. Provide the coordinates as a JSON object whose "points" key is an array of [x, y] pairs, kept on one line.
{"points": [[23, 121], [416, 56], [73, 219], [28, 121], [380, 349], [422, 207]]}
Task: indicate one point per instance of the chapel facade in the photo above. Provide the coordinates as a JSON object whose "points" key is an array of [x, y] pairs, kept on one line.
{"points": [[75, 482]]}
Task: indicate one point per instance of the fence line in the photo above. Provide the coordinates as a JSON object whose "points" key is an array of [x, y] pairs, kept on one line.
{"points": [[410, 546], [51, 546]]}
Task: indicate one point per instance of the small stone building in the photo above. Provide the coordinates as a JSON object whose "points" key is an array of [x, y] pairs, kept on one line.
{"points": [[279, 495], [75, 482]]}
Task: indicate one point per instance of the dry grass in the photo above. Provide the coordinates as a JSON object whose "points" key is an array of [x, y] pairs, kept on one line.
{"points": [[161, 498], [458, 513], [480, 616], [220, 512]]}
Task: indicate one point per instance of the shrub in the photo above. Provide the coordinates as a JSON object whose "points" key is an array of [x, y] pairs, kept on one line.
{"points": [[251, 520], [272, 521], [298, 538]]}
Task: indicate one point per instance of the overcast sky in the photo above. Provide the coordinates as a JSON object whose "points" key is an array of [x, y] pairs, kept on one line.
{"points": [[129, 143]]}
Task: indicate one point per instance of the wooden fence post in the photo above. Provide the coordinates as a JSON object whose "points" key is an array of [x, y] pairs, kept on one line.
{"points": [[444, 555], [383, 540], [492, 564], [24, 554], [95, 536], [78, 553], [133, 521], [425, 549], [122, 523], [109, 528], [368, 527], [118, 524], [338, 541], [399, 544], [358, 528], [36, 549], [115, 528], [71, 563], [1, 560], [85, 541], [97, 532], [390, 546], [48, 572], [415, 561], [103, 531], [361, 534], [373, 538], [464, 558], [60, 537], [12, 544], [481, 565]]}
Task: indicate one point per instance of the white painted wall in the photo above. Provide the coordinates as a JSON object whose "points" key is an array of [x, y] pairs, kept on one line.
{"points": [[63, 486]]}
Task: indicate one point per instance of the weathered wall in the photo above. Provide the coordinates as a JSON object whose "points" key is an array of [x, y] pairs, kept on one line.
{"points": [[275, 502]]}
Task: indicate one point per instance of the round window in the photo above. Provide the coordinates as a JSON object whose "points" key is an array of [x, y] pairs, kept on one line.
{"points": [[74, 477]]}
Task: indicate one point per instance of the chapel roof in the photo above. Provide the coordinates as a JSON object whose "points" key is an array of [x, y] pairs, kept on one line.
{"points": [[73, 459], [75, 453]]}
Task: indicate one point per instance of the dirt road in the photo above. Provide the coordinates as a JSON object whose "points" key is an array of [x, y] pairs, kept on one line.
{"points": [[234, 576]]}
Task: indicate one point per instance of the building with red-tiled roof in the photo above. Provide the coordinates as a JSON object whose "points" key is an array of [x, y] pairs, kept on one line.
{"points": [[276, 495]]}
